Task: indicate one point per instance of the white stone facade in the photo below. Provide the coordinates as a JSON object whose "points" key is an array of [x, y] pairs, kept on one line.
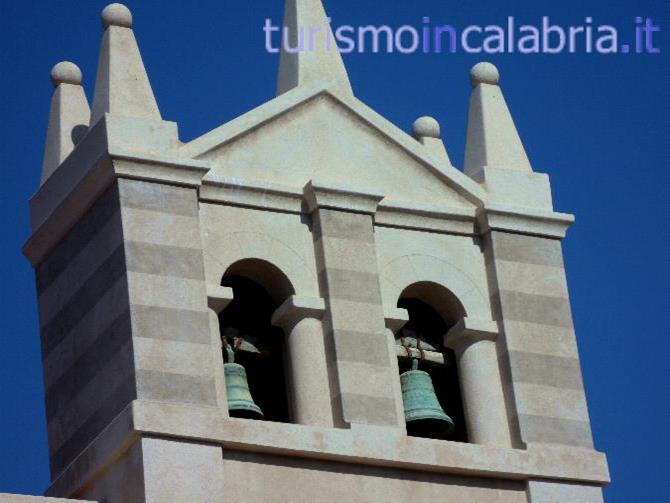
{"points": [[337, 213]]}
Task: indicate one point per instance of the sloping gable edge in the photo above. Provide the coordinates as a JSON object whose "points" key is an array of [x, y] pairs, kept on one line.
{"points": [[276, 107]]}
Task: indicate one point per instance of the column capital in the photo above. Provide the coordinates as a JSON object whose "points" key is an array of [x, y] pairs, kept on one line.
{"points": [[295, 309], [395, 318], [340, 197], [548, 224], [218, 297], [469, 331]]}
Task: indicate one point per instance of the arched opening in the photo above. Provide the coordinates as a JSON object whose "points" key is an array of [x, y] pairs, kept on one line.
{"points": [[433, 310], [259, 288]]}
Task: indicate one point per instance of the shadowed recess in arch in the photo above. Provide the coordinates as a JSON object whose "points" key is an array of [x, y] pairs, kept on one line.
{"points": [[259, 288], [433, 310]]}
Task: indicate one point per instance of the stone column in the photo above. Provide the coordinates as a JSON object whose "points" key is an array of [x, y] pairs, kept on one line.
{"points": [[218, 298], [309, 389], [474, 343], [395, 319]]}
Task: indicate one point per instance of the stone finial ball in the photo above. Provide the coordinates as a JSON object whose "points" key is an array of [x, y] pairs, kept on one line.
{"points": [[65, 73], [426, 127], [484, 73], [116, 14]]}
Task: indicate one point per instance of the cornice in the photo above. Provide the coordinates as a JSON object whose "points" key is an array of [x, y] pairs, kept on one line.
{"points": [[360, 445], [55, 212], [332, 196], [523, 221]]}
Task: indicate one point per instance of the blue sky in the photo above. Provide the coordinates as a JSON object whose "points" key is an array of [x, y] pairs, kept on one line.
{"points": [[597, 124]]}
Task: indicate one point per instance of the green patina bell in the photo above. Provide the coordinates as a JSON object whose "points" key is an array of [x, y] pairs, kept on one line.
{"points": [[240, 401], [423, 413]]}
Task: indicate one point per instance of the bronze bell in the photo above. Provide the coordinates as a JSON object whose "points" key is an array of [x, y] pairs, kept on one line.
{"points": [[423, 413], [240, 401]]}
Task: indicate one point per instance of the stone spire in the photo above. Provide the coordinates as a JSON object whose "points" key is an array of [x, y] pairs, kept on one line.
{"points": [[122, 86], [492, 138], [305, 62], [68, 117]]}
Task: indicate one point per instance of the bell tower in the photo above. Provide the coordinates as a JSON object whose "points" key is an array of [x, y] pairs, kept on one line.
{"points": [[304, 301]]}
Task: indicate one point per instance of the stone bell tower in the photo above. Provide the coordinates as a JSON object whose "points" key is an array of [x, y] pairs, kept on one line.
{"points": [[324, 251]]}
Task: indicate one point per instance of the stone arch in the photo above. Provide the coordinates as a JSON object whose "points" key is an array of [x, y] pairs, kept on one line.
{"points": [[252, 342], [433, 309], [402, 272], [224, 250], [266, 274], [438, 297]]}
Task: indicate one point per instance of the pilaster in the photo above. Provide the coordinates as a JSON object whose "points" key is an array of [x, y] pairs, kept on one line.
{"points": [[360, 361], [539, 354]]}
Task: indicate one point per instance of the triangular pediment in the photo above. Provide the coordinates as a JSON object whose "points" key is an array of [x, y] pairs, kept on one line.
{"points": [[318, 135]]}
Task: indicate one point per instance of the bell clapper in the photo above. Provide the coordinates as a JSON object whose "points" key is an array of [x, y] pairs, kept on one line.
{"points": [[230, 352]]}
